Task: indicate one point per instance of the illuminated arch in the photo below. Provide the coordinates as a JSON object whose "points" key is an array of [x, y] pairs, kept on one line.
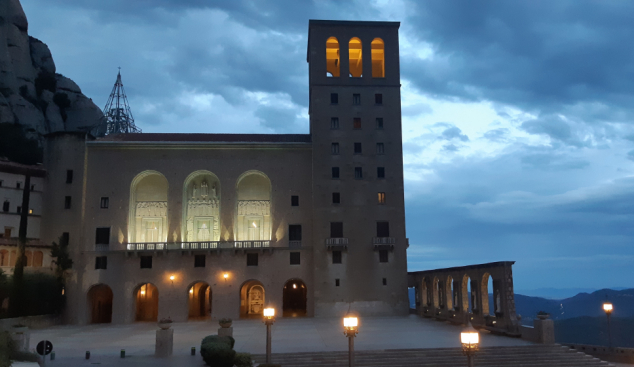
{"points": [[355, 57], [148, 208], [146, 297], [252, 298], [253, 207], [333, 57], [378, 58], [199, 300], [449, 293], [201, 207]]}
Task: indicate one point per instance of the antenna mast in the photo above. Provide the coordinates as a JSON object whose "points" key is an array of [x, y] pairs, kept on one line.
{"points": [[117, 111]]}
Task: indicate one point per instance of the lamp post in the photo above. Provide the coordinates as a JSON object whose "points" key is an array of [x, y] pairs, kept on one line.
{"points": [[469, 338], [607, 307], [350, 329], [269, 319]]}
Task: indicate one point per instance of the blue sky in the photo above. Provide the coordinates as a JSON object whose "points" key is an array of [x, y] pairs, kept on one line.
{"points": [[517, 115]]}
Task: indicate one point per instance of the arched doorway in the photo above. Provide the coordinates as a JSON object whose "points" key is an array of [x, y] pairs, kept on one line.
{"points": [[199, 301], [294, 298], [146, 302], [252, 297], [100, 303]]}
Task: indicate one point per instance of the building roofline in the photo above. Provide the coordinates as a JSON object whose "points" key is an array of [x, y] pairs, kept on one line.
{"points": [[353, 23], [198, 138], [22, 169], [458, 268]]}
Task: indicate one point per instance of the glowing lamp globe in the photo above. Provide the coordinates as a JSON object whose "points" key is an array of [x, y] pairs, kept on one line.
{"points": [[269, 312], [172, 277], [469, 337], [607, 307], [350, 322]]}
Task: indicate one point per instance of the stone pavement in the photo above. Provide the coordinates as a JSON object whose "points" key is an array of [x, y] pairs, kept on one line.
{"points": [[289, 335]]}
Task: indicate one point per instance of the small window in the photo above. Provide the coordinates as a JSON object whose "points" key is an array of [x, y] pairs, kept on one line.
{"points": [[378, 99], [252, 259], [333, 61], [18, 185], [336, 229], [336, 282], [294, 232], [356, 99], [32, 187], [102, 236], [334, 123], [336, 198], [294, 200], [380, 172], [334, 148], [335, 172], [19, 210], [105, 202], [101, 262], [69, 176], [380, 148], [146, 262], [1, 182], [199, 261], [383, 256], [379, 123], [5, 206], [381, 198], [67, 202], [336, 257], [384, 281], [357, 148], [356, 123], [358, 173], [334, 98], [30, 211], [295, 258], [382, 229], [65, 238]]}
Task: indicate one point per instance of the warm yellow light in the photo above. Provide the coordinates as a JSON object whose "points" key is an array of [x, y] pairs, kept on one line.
{"points": [[469, 337], [294, 286], [226, 275], [350, 322], [191, 290], [607, 307], [143, 293], [269, 312], [172, 277], [255, 225]]}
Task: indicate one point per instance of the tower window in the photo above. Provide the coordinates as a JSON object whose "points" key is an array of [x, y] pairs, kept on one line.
{"points": [[18, 185], [356, 99], [336, 282], [358, 173], [101, 262], [379, 123], [336, 229], [32, 187], [295, 259], [334, 148], [334, 98], [69, 176], [357, 148], [380, 172], [146, 262], [19, 210], [383, 256], [381, 198], [356, 123], [336, 198], [102, 236], [333, 61], [355, 58], [380, 148], [336, 257], [105, 202], [384, 281], [378, 58], [294, 232], [5, 206], [335, 172], [67, 202], [382, 229], [378, 99], [252, 259], [294, 200], [199, 261], [334, 123]]}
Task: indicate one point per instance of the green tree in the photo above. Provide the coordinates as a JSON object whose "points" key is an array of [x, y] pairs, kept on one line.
{"points": [[63, 262]]}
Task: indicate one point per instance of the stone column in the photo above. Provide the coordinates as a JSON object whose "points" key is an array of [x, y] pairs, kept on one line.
{"points": [[164, 343], [545, 330]]}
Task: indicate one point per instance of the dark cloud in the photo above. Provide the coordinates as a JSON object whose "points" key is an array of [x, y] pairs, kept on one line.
{"points": [[454, 133], [497, 135]]}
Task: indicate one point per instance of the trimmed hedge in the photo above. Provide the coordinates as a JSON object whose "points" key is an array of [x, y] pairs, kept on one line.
{"points": [[218, 354], [230, 341], [243, 360]]}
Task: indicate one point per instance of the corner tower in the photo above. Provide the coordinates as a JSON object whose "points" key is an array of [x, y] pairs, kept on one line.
{"points": [[359, 214]]}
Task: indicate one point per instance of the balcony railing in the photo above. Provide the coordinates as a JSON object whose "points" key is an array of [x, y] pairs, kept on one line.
{"points": [[337, 241], [200, 245], [384, 240], [102, 247], [252, 244], [147, 246], [294, 244], [204, 245]]}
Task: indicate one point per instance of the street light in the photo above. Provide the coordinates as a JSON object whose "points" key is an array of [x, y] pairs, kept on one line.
{"points": [[269, 319], [469, 338], [350, 329], [607, 307]]}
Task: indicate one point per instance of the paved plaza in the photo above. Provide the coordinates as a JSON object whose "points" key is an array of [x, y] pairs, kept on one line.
{"points": [[289, 335]]}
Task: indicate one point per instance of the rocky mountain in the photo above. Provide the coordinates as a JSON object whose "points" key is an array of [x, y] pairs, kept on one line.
{"points": [[32, 94]]}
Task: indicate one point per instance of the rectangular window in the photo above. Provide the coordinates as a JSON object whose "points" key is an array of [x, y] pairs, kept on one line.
{"points": [[334, 123], [294, 232], [334, 98], [19, 210], [18, 185], [67, 202], [379, 123], [356, 123], [199, 261], [336, 282], [358, 173], [69, 176], [357, 148], [334, 148], [336, 257], [252, 259], [5, 206], [295, 258], [381, 198], [383, 256], [335, 172], [65, 238], [102, 236], [380, 172], [146, 262], [1, 182], [336, 198], [378, 99], [380, 148], [30, 211], [32, 187], [336, 229], [101, 262], [382, 229], [294, 200], [356, 99], [384, 281], [105, 202]]}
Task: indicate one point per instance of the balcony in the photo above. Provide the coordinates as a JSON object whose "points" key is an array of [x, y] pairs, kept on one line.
{"points": [[337, 243], [294, 244], [201, 245], [251, 244], [383, 243]]}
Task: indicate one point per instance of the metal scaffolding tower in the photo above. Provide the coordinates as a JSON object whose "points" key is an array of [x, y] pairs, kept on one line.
{"points": [[118, 116]]}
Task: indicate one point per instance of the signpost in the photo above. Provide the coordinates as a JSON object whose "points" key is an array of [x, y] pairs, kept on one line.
{"points": [[44, 348]]}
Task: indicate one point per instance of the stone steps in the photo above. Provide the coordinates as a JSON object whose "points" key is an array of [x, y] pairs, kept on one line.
{"points": [[523, 356]]}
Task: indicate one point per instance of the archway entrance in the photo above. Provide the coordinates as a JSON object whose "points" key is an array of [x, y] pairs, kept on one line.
{"points": [[252, 297], [100, 301], [146, 303], [199, 301], [294, 298]]}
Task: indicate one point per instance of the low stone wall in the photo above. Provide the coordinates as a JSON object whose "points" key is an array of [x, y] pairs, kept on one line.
{"points": [[33, 322], [529, 333], [617, 355], [542, 331]]}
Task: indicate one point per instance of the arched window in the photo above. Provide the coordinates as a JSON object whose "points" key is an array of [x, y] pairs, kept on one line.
{"points": [[333, 59], [355, 58], [29, 258], [148, 208], [378, 58], [201, 214], [253, 214]]}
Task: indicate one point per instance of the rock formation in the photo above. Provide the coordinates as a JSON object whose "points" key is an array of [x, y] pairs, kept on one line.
{"points": [[31, 93]]}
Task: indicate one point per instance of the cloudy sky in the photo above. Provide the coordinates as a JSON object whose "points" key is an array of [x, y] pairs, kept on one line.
{"points": [[517, 115]]}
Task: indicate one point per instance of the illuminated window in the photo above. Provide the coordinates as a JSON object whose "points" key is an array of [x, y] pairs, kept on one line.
{"points": [[357, 148], [378, 58], [334, 123], [380, 172], [355, 58], [379, 123], [356, 99], [358, 173], [336, 198], [381, 198], [333, 60], [336, 257], [335, 172], [380, 148], [378, 99], [30, 211], [334, 148], [105, 202], [334, 98], [356, 123]]}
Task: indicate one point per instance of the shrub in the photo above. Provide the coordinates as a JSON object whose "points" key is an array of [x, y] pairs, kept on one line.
{"points": [[217, 354], [228, 340], [243, 360]]}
